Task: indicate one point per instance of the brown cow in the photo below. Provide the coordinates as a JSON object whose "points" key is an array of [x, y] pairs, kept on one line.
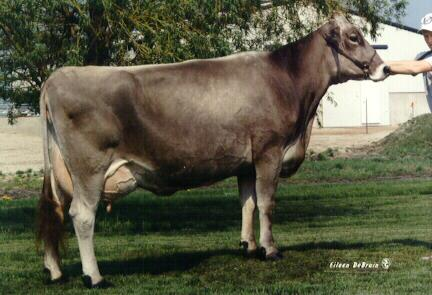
{"points": [[108, 130]]}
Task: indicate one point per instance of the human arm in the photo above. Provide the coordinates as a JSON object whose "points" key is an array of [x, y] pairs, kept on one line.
{"points": [[409, 67]]}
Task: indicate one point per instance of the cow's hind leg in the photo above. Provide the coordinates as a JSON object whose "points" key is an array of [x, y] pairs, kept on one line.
{"points": [[246, 185], [83, 212]]}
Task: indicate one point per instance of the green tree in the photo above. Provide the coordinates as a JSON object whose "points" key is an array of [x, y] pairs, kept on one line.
{"points": [[38, 36]]}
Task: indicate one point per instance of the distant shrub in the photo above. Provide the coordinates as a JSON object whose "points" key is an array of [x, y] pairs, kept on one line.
{"points": [[419, 168], [321, 157], [339, 166], [330, 152]]}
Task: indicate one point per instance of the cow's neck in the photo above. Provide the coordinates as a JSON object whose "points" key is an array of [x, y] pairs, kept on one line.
{"points": [[310, 65]]}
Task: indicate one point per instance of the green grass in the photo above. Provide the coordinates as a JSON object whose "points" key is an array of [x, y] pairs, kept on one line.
{"points": [[362, 168], [412, 139], [404, 153], [187, 243], [21, 181]]}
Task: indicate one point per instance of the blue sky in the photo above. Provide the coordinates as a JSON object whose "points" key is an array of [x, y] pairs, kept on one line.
{"points": [[415, 11]]}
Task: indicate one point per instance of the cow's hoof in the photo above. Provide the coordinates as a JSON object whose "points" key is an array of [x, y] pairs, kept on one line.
{"points": [[59, 281], [275, 256], [245, 250], [104, 284]]}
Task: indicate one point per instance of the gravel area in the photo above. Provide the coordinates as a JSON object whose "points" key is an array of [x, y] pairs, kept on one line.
{"points": [[21, 144], [343, 138]]}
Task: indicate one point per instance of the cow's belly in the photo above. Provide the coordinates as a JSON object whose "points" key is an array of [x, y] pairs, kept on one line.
{"points": [[183, 166], [205, 172], [125, 175]]}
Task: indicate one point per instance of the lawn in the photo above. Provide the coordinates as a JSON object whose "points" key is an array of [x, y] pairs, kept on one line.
{"points": [[374, 205], [187, 243]]}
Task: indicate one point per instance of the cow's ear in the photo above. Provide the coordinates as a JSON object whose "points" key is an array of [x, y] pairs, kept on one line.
{"points": [[332, 33]]}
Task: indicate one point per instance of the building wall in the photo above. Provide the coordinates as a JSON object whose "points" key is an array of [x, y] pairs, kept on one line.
{"points": [[347, 97], [406, 106], [388, 102]]}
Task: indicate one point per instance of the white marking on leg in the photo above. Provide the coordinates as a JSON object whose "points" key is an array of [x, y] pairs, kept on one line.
{"points": [[51, 262], [265, 216], [83, 217], [248, 201]]}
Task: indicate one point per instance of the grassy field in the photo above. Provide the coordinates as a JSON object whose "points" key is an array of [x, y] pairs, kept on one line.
{"points": [[187, 244], [374, 205]]}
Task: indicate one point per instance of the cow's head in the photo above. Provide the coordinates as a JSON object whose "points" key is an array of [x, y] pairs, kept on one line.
{"points": [[355, 59]]}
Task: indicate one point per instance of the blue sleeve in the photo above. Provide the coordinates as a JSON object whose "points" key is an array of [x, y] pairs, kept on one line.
{"points": [[429, 59]]}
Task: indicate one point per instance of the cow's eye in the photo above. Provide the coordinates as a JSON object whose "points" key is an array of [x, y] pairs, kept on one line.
{"points": [[354, 38]]}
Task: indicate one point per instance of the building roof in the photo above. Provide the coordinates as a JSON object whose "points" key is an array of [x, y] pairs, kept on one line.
{"points": [[269, 3], [403, 27]]}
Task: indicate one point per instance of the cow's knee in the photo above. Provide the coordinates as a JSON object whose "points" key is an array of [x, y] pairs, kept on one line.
{"points": [[249, 206], [83, 218], [266, 206], [82, 215]]}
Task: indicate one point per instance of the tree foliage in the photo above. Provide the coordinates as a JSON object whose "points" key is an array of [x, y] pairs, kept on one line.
{"points": [[38, 36]]}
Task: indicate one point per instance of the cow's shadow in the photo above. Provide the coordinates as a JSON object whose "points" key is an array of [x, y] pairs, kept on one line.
{"points": [[199, 212], [143, 213], [155, 265], [184, 261]]}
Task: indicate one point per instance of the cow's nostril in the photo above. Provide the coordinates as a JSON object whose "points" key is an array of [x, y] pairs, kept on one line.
{"points": [[386, 70]]}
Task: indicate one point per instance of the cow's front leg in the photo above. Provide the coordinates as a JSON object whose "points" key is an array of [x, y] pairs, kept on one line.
{"points": [[267, 174], [246, 185], [83, 212]]}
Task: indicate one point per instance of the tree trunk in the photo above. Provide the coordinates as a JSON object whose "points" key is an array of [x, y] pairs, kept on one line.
{"points": [[98, 35]]}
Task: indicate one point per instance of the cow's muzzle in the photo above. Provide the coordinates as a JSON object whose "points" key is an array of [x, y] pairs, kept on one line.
{"points": [[381, 72]]}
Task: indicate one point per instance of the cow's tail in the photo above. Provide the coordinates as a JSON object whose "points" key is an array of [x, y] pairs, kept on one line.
{"points": [[50, 210]]}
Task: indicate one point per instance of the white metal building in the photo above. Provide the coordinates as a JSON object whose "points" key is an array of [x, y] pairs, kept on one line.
{"points": [[391, 102]]}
